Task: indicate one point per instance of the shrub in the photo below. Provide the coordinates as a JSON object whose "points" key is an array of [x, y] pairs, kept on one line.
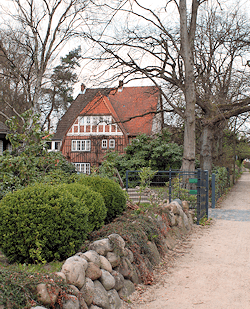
{"points": [[94, 202], [112, 193], [30, 161], [41, 223]]}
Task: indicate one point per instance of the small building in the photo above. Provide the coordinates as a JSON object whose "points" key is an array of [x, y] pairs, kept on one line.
{"points": [[4, 143], [104, 119]]}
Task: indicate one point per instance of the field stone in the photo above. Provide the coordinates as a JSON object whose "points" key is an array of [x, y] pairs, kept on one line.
{"points": [[127, 290], [101, 296], [102, 246], [46, 297], [173, 220], [185, 205], [74, 271], [105, 264], [71, 303], [61, 274], [178, 201], [190, 218], [128, 271], [107, 280], [114, 299], [74, 290], [88, 291], [78, 259], [129, 254], [174, 207], [92, 256], [37, 307], [94, 307], [113, 258], [186, 222], [155, 257], [85, 262], [93, 271], [117, 240], [119, 280], [82, 302]]}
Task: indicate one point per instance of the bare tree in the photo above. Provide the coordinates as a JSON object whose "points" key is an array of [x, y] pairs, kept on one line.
{"points": [[221, 76], [191, 66], [40, 29], [149, 47]]}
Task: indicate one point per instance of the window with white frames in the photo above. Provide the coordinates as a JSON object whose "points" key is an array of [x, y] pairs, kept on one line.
{"points": [[83, 168], [81, 145], [104, 143], [111, 143]]}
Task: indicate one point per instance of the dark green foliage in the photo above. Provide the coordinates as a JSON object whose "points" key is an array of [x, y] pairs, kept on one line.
{"points": [[156, 152], [29, 161], [112, 193], [94, 202], [41, 223], [222, 180]]}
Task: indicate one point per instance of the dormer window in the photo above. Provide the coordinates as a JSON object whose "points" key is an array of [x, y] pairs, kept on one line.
{"points": [[95, 125]]}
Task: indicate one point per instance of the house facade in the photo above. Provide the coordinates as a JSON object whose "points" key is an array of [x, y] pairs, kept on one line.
{"points": [[102, 120]]}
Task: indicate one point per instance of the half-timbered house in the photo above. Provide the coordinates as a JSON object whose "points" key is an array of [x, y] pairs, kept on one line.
{"points": [[104, 119]]}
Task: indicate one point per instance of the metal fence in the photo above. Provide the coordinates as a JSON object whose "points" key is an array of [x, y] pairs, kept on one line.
{"points": [[174, 184], [219, 187]]}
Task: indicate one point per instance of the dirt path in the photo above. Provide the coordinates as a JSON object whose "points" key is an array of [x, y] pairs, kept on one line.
{"points": [[212, 267]]}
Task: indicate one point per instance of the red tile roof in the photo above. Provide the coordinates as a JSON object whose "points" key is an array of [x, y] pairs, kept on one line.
{"points": [[131, 102]]}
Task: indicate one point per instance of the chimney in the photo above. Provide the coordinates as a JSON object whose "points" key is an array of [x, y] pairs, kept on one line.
{"points": [[120, 87], [83, 88]]}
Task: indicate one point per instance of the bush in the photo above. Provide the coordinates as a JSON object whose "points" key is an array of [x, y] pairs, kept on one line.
{"points": [[41, 223], [94, 202], [29, 161], [112, 193]]}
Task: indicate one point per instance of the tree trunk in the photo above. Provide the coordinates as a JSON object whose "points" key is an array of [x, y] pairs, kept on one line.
{"points": [[206, 148], [187, 37]]}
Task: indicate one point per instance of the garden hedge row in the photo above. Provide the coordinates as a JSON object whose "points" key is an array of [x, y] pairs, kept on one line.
{"points": [[44, 222]]}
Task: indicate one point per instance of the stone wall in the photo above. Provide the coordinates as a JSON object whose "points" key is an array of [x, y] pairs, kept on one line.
{"points": [[105, 275]]}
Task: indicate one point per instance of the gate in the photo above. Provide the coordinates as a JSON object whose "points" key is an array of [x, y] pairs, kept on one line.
{"points": [[202, 194], [195, 184]]}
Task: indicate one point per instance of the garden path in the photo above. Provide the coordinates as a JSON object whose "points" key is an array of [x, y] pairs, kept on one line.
{"points": [[211, 268]]}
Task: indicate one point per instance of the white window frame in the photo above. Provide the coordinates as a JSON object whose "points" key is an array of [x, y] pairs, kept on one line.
{"points": [[82, 168], [104, 143], [81, 145], [112, 143]]}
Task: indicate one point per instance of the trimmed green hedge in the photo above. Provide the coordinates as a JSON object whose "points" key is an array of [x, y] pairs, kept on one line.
{"points": [[41, 223], [94, 202], [114, 197]]}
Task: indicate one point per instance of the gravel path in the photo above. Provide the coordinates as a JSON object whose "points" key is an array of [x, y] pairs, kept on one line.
{"points": [[211, 269]]}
